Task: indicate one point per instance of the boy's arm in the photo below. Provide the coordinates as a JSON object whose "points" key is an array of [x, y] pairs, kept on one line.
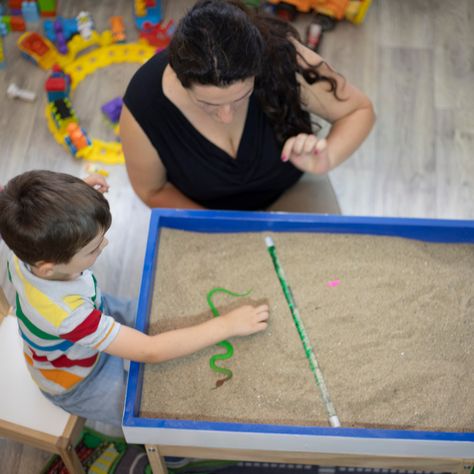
{"points": [[98, 182], [134, 345]]}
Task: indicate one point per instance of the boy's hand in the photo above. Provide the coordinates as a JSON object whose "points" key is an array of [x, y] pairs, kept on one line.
{"points": [[98, 182], [247, 320]]}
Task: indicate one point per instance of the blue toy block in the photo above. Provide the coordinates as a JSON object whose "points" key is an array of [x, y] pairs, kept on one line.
{"points": [[3, 28], [153, 16], [48, 30], [68, 27], [30, 13]]}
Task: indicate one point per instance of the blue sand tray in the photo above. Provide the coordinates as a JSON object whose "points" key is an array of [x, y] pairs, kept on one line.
{"points": [[280, 438]]}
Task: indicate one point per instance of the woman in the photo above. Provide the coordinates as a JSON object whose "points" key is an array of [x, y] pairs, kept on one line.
{"points": [[221, 119]]}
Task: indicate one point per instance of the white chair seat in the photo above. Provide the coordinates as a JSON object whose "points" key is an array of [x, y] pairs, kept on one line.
{"points": [[25, 414], [21, 401]]}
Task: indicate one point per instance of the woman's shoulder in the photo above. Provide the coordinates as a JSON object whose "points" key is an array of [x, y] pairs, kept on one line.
{"points": [[147, 79]]}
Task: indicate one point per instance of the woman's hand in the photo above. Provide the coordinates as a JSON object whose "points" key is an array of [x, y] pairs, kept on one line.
{"points": [[308, 153], [97, 181]]}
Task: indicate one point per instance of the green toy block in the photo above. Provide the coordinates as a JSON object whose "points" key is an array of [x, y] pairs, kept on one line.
{"points": [[47, 7]]}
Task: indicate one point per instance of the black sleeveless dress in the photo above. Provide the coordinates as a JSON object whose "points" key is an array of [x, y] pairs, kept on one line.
{"points": [[198, 168]]}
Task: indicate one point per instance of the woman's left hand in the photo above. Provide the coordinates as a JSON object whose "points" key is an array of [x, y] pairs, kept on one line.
{"points": [[97, 181], [308, 153]]}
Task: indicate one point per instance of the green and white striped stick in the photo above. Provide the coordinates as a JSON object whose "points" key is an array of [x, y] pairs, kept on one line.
{"points": [[313, 362]]}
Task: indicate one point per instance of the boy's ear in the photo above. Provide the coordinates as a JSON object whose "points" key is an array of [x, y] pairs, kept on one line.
{"points": [[44, 269]]}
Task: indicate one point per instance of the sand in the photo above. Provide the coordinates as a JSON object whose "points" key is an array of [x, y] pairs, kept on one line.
{"points": [[394, 338]]}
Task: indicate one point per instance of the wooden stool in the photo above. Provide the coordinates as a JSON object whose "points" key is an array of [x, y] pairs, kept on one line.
{"points": [[25, 414]]}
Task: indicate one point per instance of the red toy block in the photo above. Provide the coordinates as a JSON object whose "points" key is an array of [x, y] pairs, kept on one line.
{"points": [[54, 84], [17, 23], [15, 4]]}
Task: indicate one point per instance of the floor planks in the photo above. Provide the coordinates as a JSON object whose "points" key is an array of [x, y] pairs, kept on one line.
{"points": [[414, 58]]}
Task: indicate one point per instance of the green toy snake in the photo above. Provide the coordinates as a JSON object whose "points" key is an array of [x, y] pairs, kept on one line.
{"points": [[229, 349]]}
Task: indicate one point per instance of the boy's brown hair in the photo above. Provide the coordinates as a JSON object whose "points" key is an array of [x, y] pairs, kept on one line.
{"points": [[49, 216]]}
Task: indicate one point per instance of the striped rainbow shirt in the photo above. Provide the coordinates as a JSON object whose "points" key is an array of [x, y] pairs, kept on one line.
{"points": [[62, 326]]}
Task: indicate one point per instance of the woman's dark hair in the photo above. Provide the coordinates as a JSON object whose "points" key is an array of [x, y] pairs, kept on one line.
{"points": [[49, 216], [219, 42]]}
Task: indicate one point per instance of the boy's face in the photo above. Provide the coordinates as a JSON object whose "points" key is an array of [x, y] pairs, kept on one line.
{"points": [[81, 261]]}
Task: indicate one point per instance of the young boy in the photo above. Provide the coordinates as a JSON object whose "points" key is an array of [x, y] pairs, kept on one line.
{"points": [[74, 337]]}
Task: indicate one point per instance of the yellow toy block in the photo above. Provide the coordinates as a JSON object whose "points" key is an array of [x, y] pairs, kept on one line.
{"points": [[109, 153], [140, 8], [357, 10], [2, 57], [103, 57]]}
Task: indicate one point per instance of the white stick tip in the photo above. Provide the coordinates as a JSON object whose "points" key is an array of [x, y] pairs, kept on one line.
{"points": [[334, 421], [269, 241]]}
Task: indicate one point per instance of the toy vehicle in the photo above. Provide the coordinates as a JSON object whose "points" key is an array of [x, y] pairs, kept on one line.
{"points": [[39, 49], [352, 10]]}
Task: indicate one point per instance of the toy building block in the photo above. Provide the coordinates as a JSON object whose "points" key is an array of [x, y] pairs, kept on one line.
{"points": [[117, 27], [76, 138], [62, 113], [78, 44], [56, 88], [252, 3], [14, 92], [14, 4], [109, 153], [60, 29], [357, 10], [144, 13], [104, 462], [17, 23], [58, 84], [4, 25], [61, 42], [112, 109], [47, 8], [139, 8], [2, 55], [30, 13], [157, 35], [92, 168]]}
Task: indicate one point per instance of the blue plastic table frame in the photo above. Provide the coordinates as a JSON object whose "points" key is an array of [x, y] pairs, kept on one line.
{"points": [[388, 448]]}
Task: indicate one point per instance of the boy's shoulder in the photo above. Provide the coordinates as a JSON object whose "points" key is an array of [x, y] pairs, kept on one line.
{"points": [[21, 276]]}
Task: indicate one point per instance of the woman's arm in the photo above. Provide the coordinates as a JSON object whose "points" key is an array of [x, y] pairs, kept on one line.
{"points": [[145, 169], [134, 345], [351, 120]]}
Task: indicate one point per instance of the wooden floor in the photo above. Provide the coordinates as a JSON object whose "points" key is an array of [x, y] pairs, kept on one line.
{"points": [[414, 58]]}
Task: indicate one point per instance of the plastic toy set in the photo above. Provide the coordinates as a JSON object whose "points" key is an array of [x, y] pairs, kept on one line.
{"points": [[17, 14], [61, 51]]}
